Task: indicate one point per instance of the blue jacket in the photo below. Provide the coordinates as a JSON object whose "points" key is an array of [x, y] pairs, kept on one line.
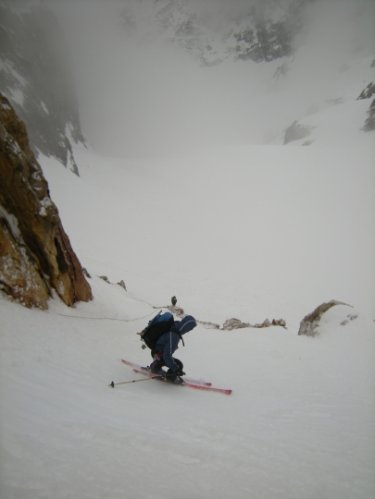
{"points": [[167, 344]]}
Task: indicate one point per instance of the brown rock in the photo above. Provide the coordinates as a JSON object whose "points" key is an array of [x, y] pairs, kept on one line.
{"points": [[234, 323], [18, 278], [309, 325], [35, 252]]}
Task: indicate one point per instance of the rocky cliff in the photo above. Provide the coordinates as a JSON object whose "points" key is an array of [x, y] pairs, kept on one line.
{"points": [[35, 253], [36, 78], [212, 31]]}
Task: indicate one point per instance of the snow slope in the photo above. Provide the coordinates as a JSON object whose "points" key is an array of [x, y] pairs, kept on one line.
{"points": [[249, 232], [238, 230]]}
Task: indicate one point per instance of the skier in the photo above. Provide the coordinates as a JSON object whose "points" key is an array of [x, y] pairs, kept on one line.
{"points": [[166, 345]]}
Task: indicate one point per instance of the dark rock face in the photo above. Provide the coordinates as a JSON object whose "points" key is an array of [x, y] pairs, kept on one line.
{"points": [[34, 76], [264, 42], [35, 253], [368, 92], [254, 32], [370, 120], [296, 131]]}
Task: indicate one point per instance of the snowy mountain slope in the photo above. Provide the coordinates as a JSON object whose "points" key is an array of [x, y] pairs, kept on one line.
{"points": [[234, 230], [333, 113], [278, 232], [162, 102], [298, 425], [264, 216]]}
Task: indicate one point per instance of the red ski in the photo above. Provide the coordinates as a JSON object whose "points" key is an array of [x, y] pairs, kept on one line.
{"points": [[146, 371], [187, 382]]}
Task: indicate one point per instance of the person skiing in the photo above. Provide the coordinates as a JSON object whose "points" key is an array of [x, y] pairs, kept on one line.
{"points": [[166, 345]]}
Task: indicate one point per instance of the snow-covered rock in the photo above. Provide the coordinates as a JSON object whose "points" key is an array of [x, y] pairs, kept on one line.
{"points": [[310, 324]]}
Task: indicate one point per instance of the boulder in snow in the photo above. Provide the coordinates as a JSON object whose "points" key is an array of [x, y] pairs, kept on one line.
{"points": [[310, 323]]}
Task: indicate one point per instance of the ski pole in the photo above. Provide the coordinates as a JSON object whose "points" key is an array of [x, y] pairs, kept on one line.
{"points": [[113, 384]]}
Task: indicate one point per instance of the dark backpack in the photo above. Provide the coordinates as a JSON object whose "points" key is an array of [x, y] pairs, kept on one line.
{"points": [[159, 325]]}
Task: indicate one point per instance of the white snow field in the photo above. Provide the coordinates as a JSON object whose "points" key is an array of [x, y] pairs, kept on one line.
{"points": [[242, 227], [249, 233]]}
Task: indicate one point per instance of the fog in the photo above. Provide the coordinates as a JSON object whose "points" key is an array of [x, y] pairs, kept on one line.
{"points": [[140, 94]]}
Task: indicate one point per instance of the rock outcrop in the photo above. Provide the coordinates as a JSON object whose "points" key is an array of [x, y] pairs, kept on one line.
{"points": [[309, 325], [35, 253], [296, 131], [233, 323], [35, 77], [370, 120], [368, 92], [259, 32]]}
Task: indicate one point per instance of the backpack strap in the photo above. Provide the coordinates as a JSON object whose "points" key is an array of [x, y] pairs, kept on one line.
{"points": [[174, 329], [181, 338]]}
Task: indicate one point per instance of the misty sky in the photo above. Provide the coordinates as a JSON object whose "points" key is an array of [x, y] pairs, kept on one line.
{"points": [[145, 95]]}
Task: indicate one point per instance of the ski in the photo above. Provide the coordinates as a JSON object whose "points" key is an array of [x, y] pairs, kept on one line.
{"points": [[146, 371], [188, 383]]}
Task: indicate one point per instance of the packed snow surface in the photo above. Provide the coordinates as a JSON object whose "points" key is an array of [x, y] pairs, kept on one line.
{"points": [[252, 233], [237, 229]]}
